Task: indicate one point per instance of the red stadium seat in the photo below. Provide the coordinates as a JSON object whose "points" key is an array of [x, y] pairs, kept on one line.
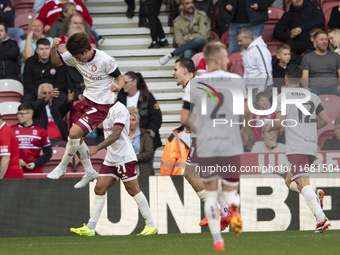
{"points": [[97, 161], [23, 20], [9, 112], [234, 56], [22, 6], [274, 15], [273, 52], [10, 90], [57, 155], [331, 104], [327, 17], [267, 36], [225, 37], [328, 4], [328, 134], [214, 36], [197, 58]]}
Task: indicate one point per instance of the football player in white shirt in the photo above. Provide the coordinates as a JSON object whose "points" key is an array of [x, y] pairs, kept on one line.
{"points": [[119, 163], [183, 72], [301, 143], [216, 56], [98, 70]]}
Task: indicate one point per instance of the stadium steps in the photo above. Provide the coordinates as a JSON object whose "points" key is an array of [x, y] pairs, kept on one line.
{"points": [[128, 44]]}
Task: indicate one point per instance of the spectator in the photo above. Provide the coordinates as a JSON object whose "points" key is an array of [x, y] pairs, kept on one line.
{"points": [[263, 103], [75, 82], [51, 10], [192, 30], [142, 12], [334, 143], [296, 24], [9, 53], [269, 143], [224, 17], [73, 24], [334, 40], [279, 66], [175, 153], [142, 144], [256, 61], [136, 93], [39, 69], [205, 5], [156, 29], [66, 11], [9, 153], [246, 13], [28, 45], [321, 68], [32, 140], [7, 16], [334, 20], [50, 115]]}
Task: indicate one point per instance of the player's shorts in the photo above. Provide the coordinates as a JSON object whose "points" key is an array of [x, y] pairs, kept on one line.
{"points": [[192, 155], [227, 168], [300, 164], [126, 172], [91, 115]]}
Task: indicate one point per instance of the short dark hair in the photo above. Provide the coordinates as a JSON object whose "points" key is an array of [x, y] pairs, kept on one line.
{"points": [[26, 106], [4, 24], [43, 41], [141, 84], [294, 74], [186, 63], [78, 43], [282, 46]]}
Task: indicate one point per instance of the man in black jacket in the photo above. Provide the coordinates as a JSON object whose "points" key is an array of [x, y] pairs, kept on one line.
{"points": [[334, 143], [9, 53], [296, 24], [39, 69], [7, 16], [50, 115], [246, 13]]}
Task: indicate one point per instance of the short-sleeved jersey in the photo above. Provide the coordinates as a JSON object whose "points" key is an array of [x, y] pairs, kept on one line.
{"points": [[302, 138], [221, 140], [64, 39], [121, 151], [9, 147], [31, 141], [96, 73]]}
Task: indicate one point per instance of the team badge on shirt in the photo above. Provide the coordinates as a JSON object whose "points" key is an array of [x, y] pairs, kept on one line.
{"points": [[94, 68], [53, 71], [35, 132]]}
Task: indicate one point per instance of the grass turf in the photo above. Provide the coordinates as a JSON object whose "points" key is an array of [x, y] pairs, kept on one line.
{"points": [[273, 243]]}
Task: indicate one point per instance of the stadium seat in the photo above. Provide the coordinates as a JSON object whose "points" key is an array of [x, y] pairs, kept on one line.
{"points": [[214, 36], [23, 20], [97, 161], [327, 17], [328, 4], [274, 15], [10, 90], [328, 134], [273, 53], [197, 58], [267, 36], [9, 112], [22, 6], [234, 56], [331, 104], [225, 37], [57, 155]]}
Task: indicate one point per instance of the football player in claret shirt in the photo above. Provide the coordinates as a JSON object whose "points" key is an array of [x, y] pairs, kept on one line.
{"points": [[119, 163], [99, 71], [32, 139]]}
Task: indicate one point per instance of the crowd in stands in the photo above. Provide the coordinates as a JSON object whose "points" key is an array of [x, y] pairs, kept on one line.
{"points": [[305, 34]]}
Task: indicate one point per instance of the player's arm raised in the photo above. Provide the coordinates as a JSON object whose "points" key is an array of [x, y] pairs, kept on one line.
{"points": [[117, 130], [54, 55]]}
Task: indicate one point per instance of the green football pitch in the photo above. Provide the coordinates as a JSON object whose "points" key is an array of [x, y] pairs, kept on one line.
{"points": [[273, 243]]}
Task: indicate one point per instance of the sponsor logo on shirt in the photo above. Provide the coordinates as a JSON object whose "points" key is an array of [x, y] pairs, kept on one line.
{"points": [[92, 77]]}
